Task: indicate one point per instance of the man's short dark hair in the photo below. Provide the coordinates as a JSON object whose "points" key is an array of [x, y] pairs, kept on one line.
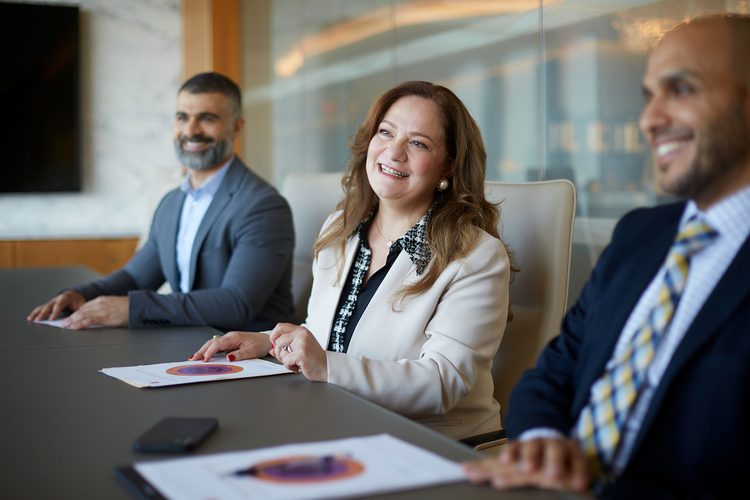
{"points": [[208, 82]]}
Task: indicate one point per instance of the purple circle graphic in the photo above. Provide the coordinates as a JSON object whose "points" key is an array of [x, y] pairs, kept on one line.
{"points": [[203, 369]]}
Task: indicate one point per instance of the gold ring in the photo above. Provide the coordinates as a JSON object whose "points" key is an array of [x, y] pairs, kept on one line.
{"points": [[216, 337]]}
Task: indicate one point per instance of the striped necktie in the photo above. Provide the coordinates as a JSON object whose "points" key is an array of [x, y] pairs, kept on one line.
{"points": [[601, 422]]}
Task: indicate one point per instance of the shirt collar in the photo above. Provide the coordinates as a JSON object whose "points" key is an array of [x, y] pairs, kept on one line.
{"points": [[211, 185], [729, 216], [413, 242]]}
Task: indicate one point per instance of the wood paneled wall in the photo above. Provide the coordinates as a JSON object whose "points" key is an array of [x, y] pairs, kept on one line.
{"points": [[6, 253], [211, 37], [100, 255], [211, 40]]}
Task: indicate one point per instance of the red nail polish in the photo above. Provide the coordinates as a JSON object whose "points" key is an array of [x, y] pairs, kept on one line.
{"points": [[231, 357], [273, 346]]}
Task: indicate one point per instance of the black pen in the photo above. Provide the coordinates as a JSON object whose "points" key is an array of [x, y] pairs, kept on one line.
{"points": [[306, 466]]}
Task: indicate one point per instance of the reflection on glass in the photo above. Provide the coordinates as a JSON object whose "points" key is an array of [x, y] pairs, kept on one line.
{"points": [[555, 85]]}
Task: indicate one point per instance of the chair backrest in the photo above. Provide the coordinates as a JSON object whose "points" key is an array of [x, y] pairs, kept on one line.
{"points": [[312, 197], [537, 226]]}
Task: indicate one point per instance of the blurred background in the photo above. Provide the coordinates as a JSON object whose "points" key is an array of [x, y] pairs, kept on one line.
{"points": [[555, 86]]}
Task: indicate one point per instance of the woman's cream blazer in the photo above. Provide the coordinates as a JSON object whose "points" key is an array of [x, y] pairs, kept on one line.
{"points": [[431, 358]]}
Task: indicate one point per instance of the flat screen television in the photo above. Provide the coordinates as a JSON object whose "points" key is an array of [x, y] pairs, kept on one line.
{"points": [[39, 90]]}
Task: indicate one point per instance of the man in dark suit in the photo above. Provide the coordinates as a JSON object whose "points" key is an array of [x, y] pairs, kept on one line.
{"points": [[645, 389], [223, 240]]}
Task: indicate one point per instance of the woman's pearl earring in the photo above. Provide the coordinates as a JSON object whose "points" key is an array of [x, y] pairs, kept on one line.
{"points": [[442, 185]]}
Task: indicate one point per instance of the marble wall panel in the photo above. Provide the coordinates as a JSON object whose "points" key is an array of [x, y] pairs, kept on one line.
{"points": [[131, 68]]}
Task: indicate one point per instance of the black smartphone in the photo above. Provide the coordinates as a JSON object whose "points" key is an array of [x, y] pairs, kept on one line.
{"points": [[175, 434]]}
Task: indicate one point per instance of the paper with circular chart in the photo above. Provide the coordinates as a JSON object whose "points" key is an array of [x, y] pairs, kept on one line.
{"points": [[325, 469], [189, 372]]}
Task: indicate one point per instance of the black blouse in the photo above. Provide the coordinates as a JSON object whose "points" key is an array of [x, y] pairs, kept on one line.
{"points": [[355, 297]]}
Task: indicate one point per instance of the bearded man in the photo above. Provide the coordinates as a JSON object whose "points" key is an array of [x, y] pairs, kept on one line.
{"points": [[223, 240]]}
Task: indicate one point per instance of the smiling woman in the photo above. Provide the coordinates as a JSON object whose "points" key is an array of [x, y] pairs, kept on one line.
{"points": [[405, 162], [410, 292]]}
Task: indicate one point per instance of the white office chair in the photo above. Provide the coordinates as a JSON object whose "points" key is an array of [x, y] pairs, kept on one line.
{"points": [[312, 197], [537, 225]]}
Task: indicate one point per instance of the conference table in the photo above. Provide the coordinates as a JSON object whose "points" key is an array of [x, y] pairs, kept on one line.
{"points": [[65, 427]]}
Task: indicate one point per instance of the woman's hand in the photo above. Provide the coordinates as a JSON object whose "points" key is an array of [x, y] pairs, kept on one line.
{"points": [[237, 345], [298, 350]]}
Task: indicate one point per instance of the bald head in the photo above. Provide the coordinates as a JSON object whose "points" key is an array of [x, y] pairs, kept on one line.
{"points": [[729, 32]]}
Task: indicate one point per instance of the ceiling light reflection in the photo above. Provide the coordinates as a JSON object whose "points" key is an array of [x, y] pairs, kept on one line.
{"points": [[381, 20]]}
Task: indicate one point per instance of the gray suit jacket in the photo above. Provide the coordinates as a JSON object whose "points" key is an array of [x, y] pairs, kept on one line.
{"points": [[240, 268]]}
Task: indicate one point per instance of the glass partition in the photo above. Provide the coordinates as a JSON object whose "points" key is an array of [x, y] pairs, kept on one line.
{"points": [[555, 86]]}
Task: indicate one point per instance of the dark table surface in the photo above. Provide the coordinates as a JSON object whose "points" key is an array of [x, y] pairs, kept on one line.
{"points": [[64, 426]]}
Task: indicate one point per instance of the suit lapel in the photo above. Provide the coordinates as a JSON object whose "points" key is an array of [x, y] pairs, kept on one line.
{"points": [[399, 274], [731, 290], [221, 199], [633, 276], [333, 293]]}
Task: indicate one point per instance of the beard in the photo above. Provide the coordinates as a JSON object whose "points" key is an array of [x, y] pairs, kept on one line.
{"points": [[202, 160], [724, 145]]}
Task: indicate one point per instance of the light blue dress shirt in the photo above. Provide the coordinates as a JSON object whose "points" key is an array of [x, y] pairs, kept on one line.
{"points": [[194, 208]]}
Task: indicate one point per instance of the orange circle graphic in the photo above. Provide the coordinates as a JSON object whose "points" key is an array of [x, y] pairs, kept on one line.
{"points": [[306, 469]]}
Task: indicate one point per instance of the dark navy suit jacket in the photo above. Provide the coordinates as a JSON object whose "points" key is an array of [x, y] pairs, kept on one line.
{"points": [[240, 266], [695, 439]]}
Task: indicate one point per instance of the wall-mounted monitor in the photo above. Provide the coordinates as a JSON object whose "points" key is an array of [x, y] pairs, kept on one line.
{"points": [[39, 90]]}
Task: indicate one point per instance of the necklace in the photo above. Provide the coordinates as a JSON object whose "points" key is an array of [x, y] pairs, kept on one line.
{"points": [[388, 242]]}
